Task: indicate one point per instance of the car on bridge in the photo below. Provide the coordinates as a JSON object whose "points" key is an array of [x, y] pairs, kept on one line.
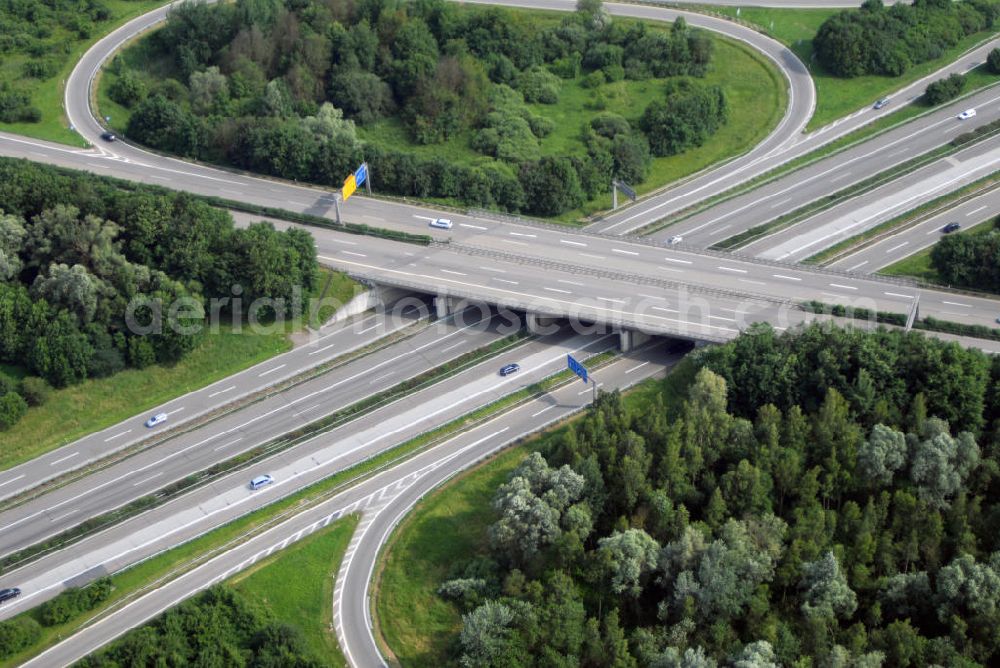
{"points": [[950, 227], [442, 223], [508, 369], [159, 418], [9, 594]]}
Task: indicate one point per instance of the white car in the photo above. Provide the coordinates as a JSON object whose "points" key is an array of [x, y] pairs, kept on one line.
{"points": [[156, 419], [443, 223], [968, 113], [676, 239]]}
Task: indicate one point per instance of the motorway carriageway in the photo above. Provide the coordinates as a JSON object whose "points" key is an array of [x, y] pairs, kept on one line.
{"points": [[915, 238], [835, 173], [228, 497], [512, 263], [326, 344], [242, 429], [861, 213]]}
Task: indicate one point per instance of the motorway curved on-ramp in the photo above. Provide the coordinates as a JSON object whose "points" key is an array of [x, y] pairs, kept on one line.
{"points": [[801, 92]]}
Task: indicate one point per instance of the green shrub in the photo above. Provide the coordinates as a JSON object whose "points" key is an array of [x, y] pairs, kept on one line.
{"points": [[35, 390], [539, 85], [18, 633], [993, 61], [594, 80], [943, 90], [127, 90], [12, 409]]}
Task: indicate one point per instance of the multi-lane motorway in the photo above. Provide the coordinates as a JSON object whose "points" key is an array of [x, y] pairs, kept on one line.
{"points": [[243, 428], [320, 347]]}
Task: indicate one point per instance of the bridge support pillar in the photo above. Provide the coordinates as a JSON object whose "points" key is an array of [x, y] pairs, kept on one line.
{"points": [[444, 305], [630, 339], [540, 324]]}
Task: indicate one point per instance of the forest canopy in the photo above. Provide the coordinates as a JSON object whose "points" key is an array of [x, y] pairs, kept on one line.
{"points": [[889, 40], [825, 497], [88, 269]]}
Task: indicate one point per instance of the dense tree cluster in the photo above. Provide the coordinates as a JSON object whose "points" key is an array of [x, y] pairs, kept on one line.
{"points": [[888, 41], [825, 497], [276, 87], [944, 90], [219, 627], [969, 260], [689, 115], [88, 270]]}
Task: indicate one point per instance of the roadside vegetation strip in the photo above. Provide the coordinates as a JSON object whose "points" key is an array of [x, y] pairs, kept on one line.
{"points": [[929, 323], [918, 265], [138, 579], [412, 623], [829, 201], [903, 221], [279, 444]]}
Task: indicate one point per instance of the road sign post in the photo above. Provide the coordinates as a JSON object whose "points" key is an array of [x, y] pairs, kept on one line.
{"points": [[581, 371], [361, 176]]}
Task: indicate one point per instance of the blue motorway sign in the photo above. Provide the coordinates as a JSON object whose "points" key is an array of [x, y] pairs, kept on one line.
{"points": [[361, 174], [576, 367]]}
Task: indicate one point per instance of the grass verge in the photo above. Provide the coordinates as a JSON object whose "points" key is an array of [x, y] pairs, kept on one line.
{"points": [[414, 622], [137, 580], [296, 585]]}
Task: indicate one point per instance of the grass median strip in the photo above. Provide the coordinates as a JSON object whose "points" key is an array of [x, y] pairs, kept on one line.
{"points": [[267, 449], [137, 580]]}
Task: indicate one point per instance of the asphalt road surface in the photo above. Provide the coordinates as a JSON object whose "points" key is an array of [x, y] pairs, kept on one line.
{"points": [[894, 247], [243, 428], [835, 173], [323, 345], [228, 497], [864, 212], [417, 475]]}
